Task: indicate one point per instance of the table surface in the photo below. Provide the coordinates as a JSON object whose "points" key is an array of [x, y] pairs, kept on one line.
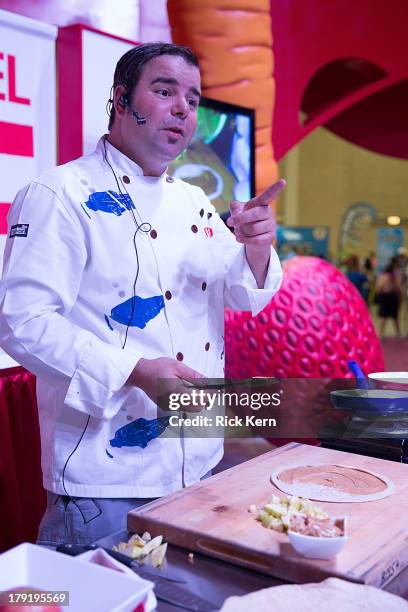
{"points": [[217, 580], [6, 361]]}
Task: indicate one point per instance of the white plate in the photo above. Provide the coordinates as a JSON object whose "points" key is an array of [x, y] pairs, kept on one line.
{"points": [[400, 378]]}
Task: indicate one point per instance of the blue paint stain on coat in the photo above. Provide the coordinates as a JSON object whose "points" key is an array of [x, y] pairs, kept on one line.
{"points": [[137, 311], [108, 453], [139, 432], [110, 202]]}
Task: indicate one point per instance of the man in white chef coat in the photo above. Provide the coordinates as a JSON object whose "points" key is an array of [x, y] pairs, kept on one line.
{"points": [[117, 275]]}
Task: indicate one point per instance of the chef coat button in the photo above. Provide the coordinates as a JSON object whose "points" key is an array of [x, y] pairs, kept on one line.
{"points": [[194, 229], [202, 212], [204, 286], [153, 233], [168, 295], [207, 346], [209, 215], [126, 179], [179, 356], [169, 179]]}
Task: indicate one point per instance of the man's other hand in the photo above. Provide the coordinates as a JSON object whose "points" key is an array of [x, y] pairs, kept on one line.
{"points": [[253, 221], [255, 227]]}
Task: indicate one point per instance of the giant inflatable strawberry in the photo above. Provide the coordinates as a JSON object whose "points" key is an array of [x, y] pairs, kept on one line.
{"points": [[314, 325]]}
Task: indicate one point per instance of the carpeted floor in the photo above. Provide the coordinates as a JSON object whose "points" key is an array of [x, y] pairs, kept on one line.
{"points": [[395, 349], [395, 354]]}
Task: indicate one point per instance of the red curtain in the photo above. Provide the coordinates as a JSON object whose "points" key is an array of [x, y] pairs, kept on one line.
{"points": [[22, 496]]}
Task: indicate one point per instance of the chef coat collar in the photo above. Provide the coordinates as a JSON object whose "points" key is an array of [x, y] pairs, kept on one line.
{"points": [[122, 163]]}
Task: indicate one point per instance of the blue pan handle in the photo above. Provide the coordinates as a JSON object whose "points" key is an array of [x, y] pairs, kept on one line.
{"points": [[362, 382]]}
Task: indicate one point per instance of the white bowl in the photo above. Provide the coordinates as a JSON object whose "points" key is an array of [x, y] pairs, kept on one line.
{"points": [[314, 547], [390, 380]]}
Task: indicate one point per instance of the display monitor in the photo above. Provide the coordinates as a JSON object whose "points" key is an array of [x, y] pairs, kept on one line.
{"points": [[221, 156]]}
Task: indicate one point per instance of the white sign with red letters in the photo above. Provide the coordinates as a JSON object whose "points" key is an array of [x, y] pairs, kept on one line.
{"points": [[27, 105]]}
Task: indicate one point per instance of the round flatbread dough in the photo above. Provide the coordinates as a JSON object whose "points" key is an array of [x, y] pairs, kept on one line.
{"points": [[332, 483]]}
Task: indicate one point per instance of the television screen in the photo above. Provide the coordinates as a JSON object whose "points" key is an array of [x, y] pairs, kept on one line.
{"points": [[221, 157]]}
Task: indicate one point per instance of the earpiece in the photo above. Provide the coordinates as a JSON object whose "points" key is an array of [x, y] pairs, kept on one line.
{"points": [[125, 102]]}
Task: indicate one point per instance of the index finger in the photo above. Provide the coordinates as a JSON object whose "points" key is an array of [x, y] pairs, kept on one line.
{"points": [[270, 194]]}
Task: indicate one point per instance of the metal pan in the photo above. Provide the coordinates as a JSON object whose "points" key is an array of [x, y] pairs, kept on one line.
{"points": [[382, 401]]}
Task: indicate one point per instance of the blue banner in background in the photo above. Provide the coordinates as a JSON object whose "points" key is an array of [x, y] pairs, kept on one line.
{"points": [[389, 240], [297, 240]]}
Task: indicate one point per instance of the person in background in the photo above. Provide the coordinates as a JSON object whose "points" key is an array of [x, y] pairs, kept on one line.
{"points": [[289, 250], [401, 268], [356, 276], [370, 262], [116, 276], [402, 275], [369, 269], [388, 296]]}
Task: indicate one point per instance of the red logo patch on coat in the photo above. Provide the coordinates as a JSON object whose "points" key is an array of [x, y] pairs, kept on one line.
{"points": [[208, 231]]}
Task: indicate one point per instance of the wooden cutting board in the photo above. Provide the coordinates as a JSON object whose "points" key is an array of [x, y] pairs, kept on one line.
{"points": [[212, 517]]}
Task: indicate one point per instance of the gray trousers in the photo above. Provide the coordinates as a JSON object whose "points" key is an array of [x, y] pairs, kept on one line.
{"points": [[82, 520]]}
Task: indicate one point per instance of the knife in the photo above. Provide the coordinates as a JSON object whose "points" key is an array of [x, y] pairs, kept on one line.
{"points": [[165, 587], [146, 571]]}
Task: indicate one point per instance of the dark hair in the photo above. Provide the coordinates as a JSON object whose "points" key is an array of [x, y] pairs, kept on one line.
{"points": [[352, 263], [130, 66]]}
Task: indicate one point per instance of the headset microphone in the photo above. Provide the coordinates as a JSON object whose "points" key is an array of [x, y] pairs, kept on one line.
{"points": [[124, 101]]}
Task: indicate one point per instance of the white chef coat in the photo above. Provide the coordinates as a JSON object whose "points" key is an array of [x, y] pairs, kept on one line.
{"points": [[69, 266]]}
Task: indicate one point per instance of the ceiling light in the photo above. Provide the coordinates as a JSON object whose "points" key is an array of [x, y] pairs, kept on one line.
{"points": [[393, 220]]}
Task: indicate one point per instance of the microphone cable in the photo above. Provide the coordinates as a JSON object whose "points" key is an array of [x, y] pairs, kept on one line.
{"points": [[71, 499]]}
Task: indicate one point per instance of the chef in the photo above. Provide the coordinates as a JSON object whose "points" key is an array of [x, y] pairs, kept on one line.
{"points": [[117, 275]]}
